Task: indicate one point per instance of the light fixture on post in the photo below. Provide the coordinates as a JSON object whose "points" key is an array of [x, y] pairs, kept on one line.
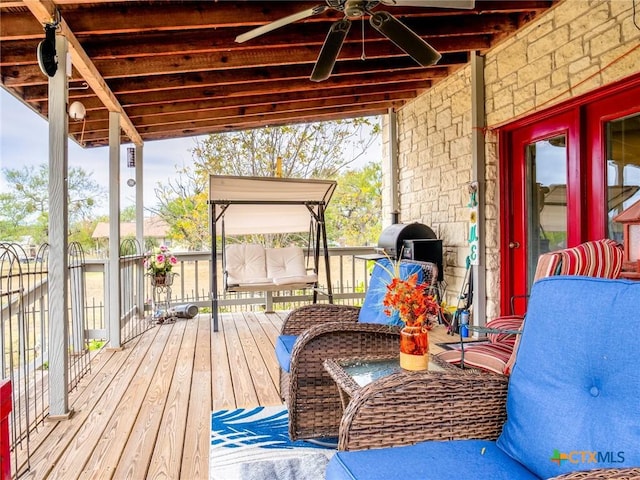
{"points": [[47, 56], [77, 111]]}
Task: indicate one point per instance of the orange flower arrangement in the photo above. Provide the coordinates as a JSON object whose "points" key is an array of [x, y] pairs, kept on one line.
{"points": [[415, 307]]}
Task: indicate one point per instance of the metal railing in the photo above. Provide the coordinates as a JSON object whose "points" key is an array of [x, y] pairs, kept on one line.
{"points": [[349, 280], [24, 325]]}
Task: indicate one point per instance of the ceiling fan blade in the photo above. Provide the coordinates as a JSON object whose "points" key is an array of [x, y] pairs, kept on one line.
{"points": [[330, 50], [404, 38], [256, 32], [466, 4]]}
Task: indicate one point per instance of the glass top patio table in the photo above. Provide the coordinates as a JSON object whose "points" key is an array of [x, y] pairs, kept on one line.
{"points": [[352, 374]]}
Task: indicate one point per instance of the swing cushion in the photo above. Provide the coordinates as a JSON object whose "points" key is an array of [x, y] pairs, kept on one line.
{"points": [[286, 266], [245, 264], [252, 267]]}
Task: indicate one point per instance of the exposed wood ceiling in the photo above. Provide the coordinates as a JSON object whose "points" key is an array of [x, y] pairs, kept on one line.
{"points": [[175, 69]]}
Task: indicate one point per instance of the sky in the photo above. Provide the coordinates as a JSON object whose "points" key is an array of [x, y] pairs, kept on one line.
{"points": [[24, 139]]}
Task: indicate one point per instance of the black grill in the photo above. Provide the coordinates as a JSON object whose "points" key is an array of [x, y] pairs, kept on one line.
{"points": [[392, 238], [413, 241]]}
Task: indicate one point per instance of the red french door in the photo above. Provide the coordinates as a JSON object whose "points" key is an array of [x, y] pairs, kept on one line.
{"points": [[565, 174], [543, 201]]}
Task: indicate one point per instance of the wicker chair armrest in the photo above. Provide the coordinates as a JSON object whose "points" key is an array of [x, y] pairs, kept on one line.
{"points": [[601, 474], [308, 316], [410, 407], [339, 340], [342, 339]]}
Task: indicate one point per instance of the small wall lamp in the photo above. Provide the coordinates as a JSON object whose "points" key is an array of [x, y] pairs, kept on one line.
{"points": [[77, 111]]}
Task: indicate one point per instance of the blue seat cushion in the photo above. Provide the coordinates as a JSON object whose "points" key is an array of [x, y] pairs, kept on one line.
{"points": [[284, 346], [454, 460], [372, 310], [573, 393]]}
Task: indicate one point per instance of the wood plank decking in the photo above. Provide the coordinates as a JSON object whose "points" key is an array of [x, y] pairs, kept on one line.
{"points": [[144, 411]]}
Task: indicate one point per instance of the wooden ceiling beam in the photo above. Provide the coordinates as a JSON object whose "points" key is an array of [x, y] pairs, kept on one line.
{"points": [[245, 121], [142, 67], [121, 46], [250, 77], [129, 17], [296, 100], [235, 112], [45, 12]]}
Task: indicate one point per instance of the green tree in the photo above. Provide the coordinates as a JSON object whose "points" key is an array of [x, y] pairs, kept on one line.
{"points": [[12, 218], [354, 215], [319, 150], [128, 214], [28, 198]]}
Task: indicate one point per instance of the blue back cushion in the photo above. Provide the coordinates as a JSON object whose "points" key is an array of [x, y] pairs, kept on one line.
{"points": [[372, 310], [573, 394], [284, 347]]}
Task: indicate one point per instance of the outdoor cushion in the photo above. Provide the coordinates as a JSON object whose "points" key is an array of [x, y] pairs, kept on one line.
{"points": [[599, 258], [245, 263], [295, 279], [285, 262], [491, 357], [575, 385], [284, 347], [506, 324], [454, 460], [372, 310]]}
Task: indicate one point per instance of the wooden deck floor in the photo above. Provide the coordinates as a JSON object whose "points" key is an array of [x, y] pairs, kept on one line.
{"points": [[144, 411]]}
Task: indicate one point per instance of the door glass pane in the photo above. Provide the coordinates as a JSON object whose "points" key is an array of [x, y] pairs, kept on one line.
{"points": [[546, 198], [623, 169]]}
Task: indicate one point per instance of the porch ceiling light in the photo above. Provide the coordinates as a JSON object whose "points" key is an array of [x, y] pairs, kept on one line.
{"points": [[77, 111]]}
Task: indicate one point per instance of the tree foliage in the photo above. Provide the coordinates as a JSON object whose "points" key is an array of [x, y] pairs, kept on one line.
{"points": [[319, 150], [24, 209], [354, 217]]}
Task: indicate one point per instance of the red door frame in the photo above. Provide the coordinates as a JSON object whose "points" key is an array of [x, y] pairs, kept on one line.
{"points": [[615, 106], [586, 183]]}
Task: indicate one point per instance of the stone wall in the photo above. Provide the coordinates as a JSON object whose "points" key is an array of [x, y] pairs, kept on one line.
{"points": [[573, 48]]}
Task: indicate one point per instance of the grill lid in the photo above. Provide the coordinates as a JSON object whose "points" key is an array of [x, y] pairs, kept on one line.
{"points": [[391, 239]]}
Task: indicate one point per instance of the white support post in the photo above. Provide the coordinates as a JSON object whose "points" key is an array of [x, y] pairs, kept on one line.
{"points": [[478, 123], [393, 165], [140, 224], [115, 338], [58, 243]]}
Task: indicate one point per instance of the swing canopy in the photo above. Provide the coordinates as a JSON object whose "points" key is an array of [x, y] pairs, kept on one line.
{"points": [[253, 205]]}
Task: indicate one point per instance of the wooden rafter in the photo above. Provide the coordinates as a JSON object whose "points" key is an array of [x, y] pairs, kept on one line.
{"points": [[45, 12]]}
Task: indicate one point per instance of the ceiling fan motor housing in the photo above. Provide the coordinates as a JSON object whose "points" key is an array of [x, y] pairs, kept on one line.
{"points": [[353, 8]]}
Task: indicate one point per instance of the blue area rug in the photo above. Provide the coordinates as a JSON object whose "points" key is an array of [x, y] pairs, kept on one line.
{"points": [[254, 444]]}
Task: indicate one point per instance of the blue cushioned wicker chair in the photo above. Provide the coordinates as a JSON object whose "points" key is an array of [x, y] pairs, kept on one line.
{"points": [[570, 411], [313, 333]]}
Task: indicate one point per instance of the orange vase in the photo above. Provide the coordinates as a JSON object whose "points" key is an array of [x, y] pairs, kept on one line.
{"points": [[414, 348]]}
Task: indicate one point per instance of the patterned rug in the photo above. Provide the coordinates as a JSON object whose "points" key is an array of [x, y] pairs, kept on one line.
{"points": [[254, 444]]}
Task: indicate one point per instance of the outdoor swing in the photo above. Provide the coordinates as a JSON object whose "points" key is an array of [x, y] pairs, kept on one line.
{"points": [[267, 205]]}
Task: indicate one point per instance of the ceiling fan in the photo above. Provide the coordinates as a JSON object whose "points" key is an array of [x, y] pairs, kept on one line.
{"points": [[382, 21]]}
